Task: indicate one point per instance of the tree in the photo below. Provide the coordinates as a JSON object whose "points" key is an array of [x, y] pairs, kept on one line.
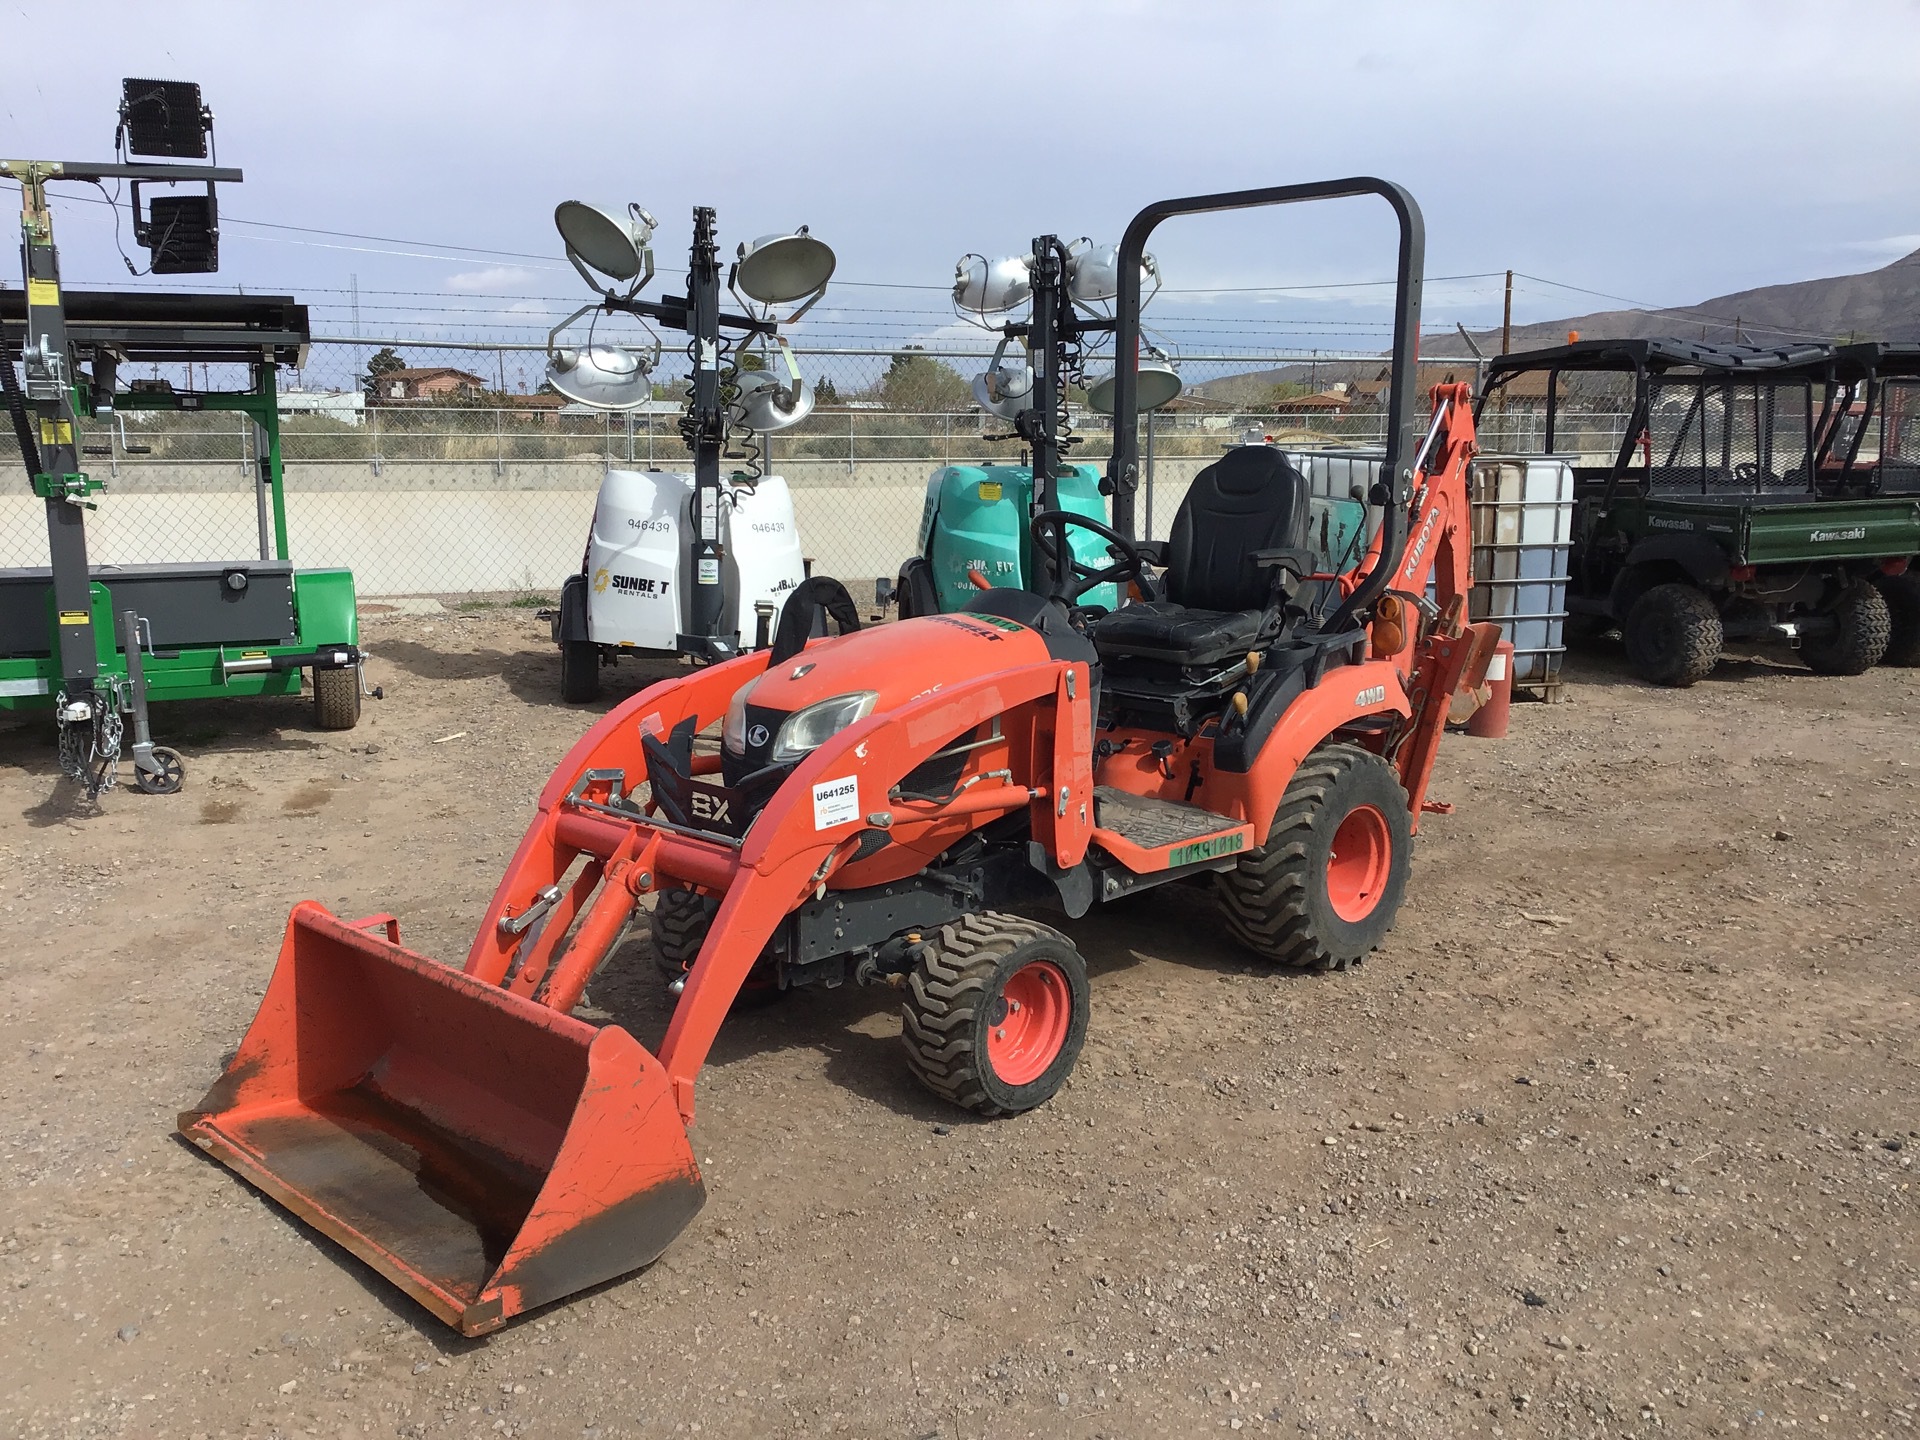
{"points": [[751, 360], [823, 392], [916, 381], [383, 361]]}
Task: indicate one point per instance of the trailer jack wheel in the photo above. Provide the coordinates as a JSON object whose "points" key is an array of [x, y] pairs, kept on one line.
{"points": [[996, 1013], [168, 779], [1324, 889]]}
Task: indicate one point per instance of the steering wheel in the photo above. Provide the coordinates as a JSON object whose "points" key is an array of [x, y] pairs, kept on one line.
{"points": [[1747, 470], [1075, 578]]}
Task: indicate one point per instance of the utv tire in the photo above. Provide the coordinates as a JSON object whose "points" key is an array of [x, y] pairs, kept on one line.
{"points": [[1325, 888], [996, 1013], [678, 928], [1862, 627], [579, 671], [336, 698], [1902, 594], [1673, 636]]}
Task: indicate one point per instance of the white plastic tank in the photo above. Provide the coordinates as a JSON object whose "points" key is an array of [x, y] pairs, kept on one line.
{"points": [[635, 558]]}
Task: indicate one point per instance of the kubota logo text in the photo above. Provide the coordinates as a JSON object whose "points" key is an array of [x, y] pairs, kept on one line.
{"points": [[1420, 545]]}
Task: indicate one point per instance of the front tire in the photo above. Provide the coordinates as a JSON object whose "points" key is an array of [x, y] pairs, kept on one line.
{"points": [[1325, 888], [678, 927], [996, 1013], [1673, 635], [579, 671], [1862, 628], [1902, 594]]}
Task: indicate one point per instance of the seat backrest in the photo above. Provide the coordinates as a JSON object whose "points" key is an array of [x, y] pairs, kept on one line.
{"points": [[1249, 500]]}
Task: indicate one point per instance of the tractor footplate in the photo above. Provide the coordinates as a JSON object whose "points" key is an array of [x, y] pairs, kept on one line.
{"points": [[1148, 835]]}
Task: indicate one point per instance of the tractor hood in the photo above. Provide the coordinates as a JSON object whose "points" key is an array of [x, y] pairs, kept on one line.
{"points": [[801, 701]]}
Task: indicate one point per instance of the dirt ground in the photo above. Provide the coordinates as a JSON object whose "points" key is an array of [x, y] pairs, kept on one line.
{"points": [[1615, 1136]]}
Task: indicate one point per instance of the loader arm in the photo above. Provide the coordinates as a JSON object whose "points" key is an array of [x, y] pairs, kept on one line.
{"points": [[787, 855]]}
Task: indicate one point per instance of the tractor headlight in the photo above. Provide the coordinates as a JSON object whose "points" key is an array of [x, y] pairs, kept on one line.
{"points": [[733, 730], [806, 730]]}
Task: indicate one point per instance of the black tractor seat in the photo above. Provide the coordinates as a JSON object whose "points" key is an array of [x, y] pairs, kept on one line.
{"points": [[1172, 663], [1162, 630], [1224, 594]]}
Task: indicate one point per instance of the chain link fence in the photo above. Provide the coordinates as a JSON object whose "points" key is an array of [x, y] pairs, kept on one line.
{"points": [[444, 470]]}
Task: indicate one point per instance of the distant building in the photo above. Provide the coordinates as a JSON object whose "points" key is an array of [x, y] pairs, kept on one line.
{"points": [[424, 385], [347, 406]]}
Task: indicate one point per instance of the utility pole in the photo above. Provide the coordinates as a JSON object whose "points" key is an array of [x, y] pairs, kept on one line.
{"points": [[1506, 319]]}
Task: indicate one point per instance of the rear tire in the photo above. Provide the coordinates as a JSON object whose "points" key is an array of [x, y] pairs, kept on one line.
{"points": [[1325, 888], [678, 928], [1862, 627], [336, 698], [1902, 594], [1673, 635], [579, 671], [996, 1013]]}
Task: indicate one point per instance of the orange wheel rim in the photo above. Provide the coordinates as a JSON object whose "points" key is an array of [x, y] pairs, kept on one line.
{"points": [[1027, 1022], [1359, 864]]}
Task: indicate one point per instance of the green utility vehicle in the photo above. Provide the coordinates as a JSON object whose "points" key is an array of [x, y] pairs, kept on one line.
{"points": [[1867, 446], [1709, 519], [244, 626]]}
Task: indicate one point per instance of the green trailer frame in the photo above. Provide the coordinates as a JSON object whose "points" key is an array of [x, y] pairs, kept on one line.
{"points": [[310, 616]]}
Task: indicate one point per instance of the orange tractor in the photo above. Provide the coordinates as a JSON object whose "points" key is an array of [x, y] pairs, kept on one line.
{"points": [[885, 805]]}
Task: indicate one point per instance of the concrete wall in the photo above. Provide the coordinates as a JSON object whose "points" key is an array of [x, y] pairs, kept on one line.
{"points": [[453, 527]]}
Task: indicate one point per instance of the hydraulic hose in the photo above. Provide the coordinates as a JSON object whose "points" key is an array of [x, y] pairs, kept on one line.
{"points": [[17, 406]]}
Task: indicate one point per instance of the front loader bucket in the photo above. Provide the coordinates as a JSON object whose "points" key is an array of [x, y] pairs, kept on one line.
{"points": [[483, 1152]]}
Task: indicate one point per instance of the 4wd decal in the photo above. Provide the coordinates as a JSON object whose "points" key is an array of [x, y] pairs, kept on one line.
{"points": [[1208, 849], [1372, 695]]}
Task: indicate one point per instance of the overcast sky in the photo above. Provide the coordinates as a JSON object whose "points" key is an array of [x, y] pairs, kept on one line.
{"points": [[1657, 152]]}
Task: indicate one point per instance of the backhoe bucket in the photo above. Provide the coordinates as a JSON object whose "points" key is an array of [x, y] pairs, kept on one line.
{"points": [[483, 1152]]}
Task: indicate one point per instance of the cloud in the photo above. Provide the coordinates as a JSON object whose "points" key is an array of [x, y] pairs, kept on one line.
{"points": [[1887, 247], [494, 277]]}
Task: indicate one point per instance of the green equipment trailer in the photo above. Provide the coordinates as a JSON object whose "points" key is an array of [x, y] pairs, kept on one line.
{"points": [[245, 626], [1715, 518]]}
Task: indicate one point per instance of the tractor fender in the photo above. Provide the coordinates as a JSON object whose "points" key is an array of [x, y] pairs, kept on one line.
{"points": [[1313, 713], [571, 621]]}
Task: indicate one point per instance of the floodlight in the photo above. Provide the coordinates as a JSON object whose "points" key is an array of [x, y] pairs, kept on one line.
{"points": [[164, 117], [601, 240], [1157, 384], [605, 377], [779, 269], [992, 289], [767, 404], [1004, 387], [181, 231], [1093, 272]]}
